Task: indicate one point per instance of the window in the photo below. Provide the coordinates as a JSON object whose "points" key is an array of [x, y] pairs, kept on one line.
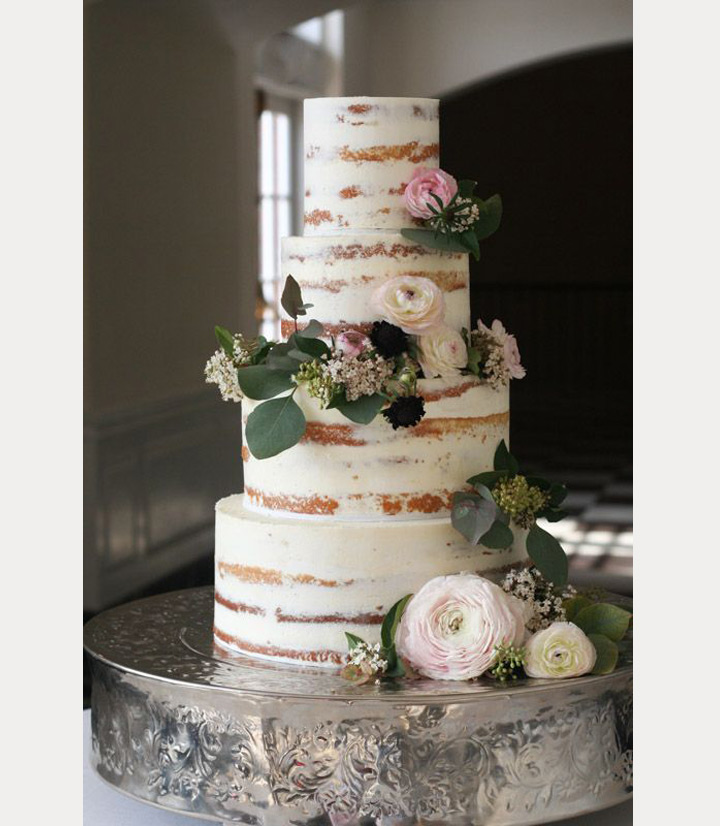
{"points": [[276, 203]]}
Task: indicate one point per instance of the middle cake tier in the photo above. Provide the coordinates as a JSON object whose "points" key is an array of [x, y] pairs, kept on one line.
{"points": [[354, 471], [339, 274]]}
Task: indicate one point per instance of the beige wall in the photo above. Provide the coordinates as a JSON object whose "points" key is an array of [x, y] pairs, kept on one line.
{"points": [[170, 171], [431, 47]]}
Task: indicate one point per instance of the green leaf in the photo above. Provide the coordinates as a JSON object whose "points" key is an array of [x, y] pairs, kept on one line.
{"points": [[279, 357], [489, 478], [437, 241], [558, 493], [547, 554], [291, 298], [539, 482], [604, 618], [498, 537], [574, 605], [391, 621], [490, 217], [504, 460], [353, 640], [259, 382], [395, 665], [225, 340], [553, 514], [466, 188], [314, 347], [470, 241], [259, 356], [313, 329], [362, 410], [607, 654], [475, 360], [472, 515], [274, 426]]}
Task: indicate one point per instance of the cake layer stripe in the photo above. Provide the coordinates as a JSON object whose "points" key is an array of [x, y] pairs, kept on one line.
{"points": [[346, 619], [239, 606], [255, 574], [278, 653]]}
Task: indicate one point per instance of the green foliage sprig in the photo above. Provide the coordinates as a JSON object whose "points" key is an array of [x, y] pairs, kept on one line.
{"points": [[442, 237], [479, 517], [604, 623], [395, 666]]}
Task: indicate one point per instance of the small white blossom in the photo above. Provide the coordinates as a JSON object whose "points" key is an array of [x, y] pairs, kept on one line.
{"points": [[531, 587], [359, 375], [366, 654], [221, 370]]}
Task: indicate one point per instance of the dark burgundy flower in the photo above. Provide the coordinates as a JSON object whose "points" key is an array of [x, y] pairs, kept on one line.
{"points": [[388, 339], [405, 411]]}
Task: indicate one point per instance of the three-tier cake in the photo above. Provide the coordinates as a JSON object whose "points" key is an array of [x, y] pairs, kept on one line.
{"points": [[329, 534]]}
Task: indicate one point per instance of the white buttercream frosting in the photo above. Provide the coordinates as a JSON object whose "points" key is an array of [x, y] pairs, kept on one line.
{"points": [[282, 573], [359, 155]]}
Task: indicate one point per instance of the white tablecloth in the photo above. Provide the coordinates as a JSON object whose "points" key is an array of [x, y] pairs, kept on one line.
{"points": [[104, 806]]}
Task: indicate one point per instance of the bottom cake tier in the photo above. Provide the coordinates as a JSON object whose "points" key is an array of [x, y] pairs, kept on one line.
{"points": [[287, 589]]}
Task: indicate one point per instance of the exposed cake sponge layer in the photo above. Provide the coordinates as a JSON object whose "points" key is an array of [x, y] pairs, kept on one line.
{"points": [[359, 155], [351, 471], [289, 589], [338, 275]]}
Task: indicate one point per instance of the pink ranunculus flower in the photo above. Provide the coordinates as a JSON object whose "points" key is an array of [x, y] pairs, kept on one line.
{"points": [[450, 628], [352, 343], [510, 348], [413, 303], [423, 184]]}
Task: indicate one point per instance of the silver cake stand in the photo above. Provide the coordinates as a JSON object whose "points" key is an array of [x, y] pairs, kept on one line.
{"points": [[182, 724]]}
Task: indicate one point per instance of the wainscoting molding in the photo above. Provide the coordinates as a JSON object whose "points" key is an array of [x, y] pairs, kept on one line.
{"points": [[152, 477]]}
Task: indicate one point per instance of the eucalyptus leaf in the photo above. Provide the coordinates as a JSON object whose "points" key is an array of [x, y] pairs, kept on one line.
{"points": [[489, 478], [574, 605], [353, 640], [274, 426], [472, 515], [607, 654], [279, 358], [498, 537], [558, 493], [391, 621], [225, 340], [604, 618], [466, 188], [314, 347], [470, 241], [490, 217], [553, 514], [291, 299], [362, 410], [437, 241], [313, 329], [504, 460], [547, 554], [260, 382], [298, 355]]}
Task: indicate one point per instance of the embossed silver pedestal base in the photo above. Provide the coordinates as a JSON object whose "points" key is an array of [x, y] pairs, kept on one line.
{"points": [[184, 725]]}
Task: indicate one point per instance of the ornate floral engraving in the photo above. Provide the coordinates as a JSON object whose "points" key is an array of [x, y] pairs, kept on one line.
{"points": [[506, 756]]}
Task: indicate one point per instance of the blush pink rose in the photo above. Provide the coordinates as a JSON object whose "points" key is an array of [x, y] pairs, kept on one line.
{"points": [[425, 182], [450, 628], [511, 353], [352, 343]]}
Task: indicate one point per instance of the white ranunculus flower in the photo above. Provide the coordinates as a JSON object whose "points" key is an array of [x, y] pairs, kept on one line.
{"points": [[451, 626], [442, 353], [558, 651], [413, 303]]}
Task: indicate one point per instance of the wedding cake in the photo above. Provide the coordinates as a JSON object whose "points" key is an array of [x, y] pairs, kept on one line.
{"points": [[330, 533]]}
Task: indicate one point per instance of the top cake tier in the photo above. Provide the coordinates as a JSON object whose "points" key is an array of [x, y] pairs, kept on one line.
{"points": [[360, 154]]}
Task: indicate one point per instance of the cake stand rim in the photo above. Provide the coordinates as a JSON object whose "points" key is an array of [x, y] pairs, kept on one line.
{"points": [[444, 694]]}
